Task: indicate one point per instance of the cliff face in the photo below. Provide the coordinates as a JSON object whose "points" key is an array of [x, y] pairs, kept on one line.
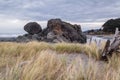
{"points": [[111, 25]]}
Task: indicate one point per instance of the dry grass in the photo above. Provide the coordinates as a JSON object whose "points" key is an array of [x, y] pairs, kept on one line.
{"points": [[41, 61]]}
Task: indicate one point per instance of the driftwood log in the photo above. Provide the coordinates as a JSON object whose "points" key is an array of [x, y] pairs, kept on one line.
{"points": [[111, 46]]}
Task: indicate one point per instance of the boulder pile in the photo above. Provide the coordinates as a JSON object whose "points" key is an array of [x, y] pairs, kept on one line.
{"points": [[56, 31]]}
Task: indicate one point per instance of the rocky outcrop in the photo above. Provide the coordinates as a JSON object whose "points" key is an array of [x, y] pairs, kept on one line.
{"points": [[107, 28], [66, 31], [111, 25], [32, 28], [56, 31]]}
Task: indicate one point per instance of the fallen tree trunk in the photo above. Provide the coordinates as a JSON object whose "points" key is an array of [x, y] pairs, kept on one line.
{"points": [[111, 46]]}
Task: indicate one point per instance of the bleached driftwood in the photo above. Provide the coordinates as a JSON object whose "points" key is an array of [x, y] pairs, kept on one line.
{"points": [[111, 46]]}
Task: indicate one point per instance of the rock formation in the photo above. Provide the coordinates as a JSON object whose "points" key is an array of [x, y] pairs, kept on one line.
{"points": [[56, 31], [111, 25], [32, 28]]}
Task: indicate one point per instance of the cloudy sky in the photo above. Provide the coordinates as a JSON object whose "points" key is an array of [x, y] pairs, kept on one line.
{"points": [[16, 13]]}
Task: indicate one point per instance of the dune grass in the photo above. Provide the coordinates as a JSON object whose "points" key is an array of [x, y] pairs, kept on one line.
{"points": [[41, 61]]}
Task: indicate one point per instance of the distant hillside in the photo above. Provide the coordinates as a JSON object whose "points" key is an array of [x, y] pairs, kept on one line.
{"points": [[111, 25]]}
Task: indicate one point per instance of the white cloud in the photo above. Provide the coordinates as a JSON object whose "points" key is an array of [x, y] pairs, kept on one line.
{"points": [[16, 25], [73, 10], [14, 14], [89, 25], [34, 4]]}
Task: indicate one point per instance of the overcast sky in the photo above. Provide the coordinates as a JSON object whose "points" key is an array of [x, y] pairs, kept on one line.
{"points": [[15, 13]]}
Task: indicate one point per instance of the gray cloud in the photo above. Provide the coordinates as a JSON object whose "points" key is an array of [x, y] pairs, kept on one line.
{"points": [[71, 10]]}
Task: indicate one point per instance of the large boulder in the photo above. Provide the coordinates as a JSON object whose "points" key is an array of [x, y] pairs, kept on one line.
{"points": [[111, 25], [32, 28], [64, 31]]}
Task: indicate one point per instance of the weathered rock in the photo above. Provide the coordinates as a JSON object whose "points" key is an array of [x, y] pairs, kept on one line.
{"points": [[52, 37], [32, 28], [56, 31], [35, 37], [77, 28], [22, 39], [27, 38], [111, 25], [69, 32]]}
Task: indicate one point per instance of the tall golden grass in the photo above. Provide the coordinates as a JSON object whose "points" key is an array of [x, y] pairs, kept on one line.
{"points": [[42, 61]]}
